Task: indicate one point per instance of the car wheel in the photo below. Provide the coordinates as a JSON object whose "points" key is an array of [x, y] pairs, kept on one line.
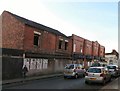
{"points": [[86, 82], [117, 74], [103, 83], [65, 77], [76, 76], [109, 79], [83, 75]]}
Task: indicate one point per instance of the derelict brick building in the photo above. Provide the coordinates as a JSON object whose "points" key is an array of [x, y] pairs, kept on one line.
{"points": [[42, 49], [39, 47]]}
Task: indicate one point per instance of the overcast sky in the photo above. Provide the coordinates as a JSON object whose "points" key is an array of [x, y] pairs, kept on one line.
{"points": [[95, 20]]}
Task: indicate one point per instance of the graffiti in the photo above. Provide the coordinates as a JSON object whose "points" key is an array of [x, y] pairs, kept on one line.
{"points": [[33, 63], [45, 63], [26, 62], [39, 63]]}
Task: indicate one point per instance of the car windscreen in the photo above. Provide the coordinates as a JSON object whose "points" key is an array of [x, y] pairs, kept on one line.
{"points": [[111, 67], [69, 67], [94, 70]]}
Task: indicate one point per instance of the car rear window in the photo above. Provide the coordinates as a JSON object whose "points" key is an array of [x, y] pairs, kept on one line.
{"points": [[111, 67], [69, 67], [94, 70]]}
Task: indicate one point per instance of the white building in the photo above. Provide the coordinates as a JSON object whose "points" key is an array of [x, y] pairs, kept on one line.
{"points": [[112, 58]]}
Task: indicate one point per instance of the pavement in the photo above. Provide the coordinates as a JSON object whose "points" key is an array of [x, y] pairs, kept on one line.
{"points": [[19, 80]]}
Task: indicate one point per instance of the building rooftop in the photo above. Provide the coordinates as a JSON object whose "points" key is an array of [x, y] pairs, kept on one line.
{"points": [[37, 25], [114, 52]]}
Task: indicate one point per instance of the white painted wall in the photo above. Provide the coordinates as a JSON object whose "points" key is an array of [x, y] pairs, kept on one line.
{"points": [[108, 58]]}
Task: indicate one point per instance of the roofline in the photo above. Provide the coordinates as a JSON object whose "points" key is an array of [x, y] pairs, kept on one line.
{"points": [[25, 21]]}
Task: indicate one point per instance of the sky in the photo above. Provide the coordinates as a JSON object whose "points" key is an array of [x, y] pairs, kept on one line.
{"points": [[95, 20]]}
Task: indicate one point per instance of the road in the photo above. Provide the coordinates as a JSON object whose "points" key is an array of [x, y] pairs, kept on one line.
{"points": [[61, 83]]}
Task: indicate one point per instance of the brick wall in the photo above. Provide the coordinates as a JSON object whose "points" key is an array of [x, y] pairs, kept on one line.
{"points": [[78, 42], [47, 41], [88, 47], [12, 32], [29, 37], [70, 45], [63, 39], [102, 51], [95, 48]]}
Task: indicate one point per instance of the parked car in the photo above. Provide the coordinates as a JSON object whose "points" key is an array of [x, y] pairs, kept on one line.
{"points": [[74, 70], [97, 74], [96, 64], [114, 70]]}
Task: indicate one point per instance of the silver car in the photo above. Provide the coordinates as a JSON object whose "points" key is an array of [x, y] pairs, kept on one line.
{"points": [[74, 70], [97, 74], [114, 70]]}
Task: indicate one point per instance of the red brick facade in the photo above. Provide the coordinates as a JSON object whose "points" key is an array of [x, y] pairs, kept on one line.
{"points": [[102, 51], [12, 32], [78, 44], [28, 40], [63, 48], [47, 41], [19, 33], [96, 46], [88, 47], [31, 42]]}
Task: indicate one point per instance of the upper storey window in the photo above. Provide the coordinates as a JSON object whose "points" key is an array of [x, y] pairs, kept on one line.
{"points": [[60, 44], [36, 38], [66, 44]]}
